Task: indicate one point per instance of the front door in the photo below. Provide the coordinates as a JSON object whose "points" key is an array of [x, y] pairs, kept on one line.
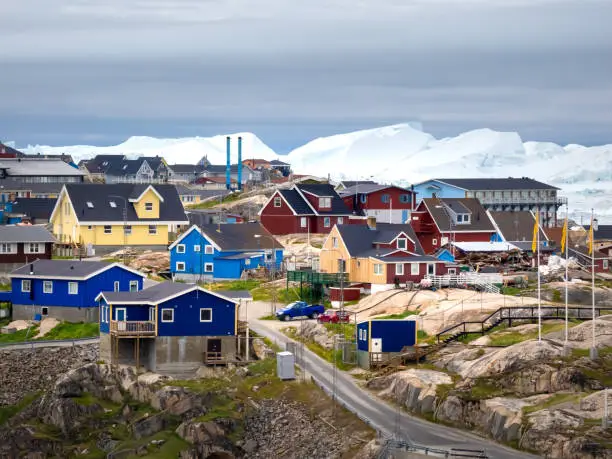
{"points": [[152, 314], [431, 269], [120, 316], [376, 344], [214, 349]]}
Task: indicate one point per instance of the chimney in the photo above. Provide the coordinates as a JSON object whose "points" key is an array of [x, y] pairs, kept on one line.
{"points": [[31, 269], [239, 163], [228, 176], [372, 223]]}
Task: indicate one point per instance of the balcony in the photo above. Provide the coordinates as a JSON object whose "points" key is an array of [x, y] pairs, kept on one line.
{"points": [[133, 329], [524, 200]]}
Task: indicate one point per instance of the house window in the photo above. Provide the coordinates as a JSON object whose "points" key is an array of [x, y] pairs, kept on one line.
{"points": [[33, 247], [26, 285], [326, 222], [340, 220], [73, 288], [363, 198], [434, 241], [152, 229], [378, 269], [414, 269], [108, 229], [180, 248], [90, 204], [325, 203], [205, 315], [148, 206], [127, 229], [196, 248], [180, 266], [334, 242], [431, 269], [385, 198], [277, 201], [460, 218], [113, 204], [44, 311], [8, 248], [167, 315], [116, 286], [208, 267], [48, 287], [89, 227], [133, 286], [402, 243], [209, 249], [404, 198], [605, 264], [399, 269], [247, 262], [452, 271], [303, 222]]}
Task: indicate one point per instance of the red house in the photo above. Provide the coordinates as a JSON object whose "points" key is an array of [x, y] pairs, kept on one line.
{"points": [[581, 254], [306, 208], [438, 221], [386, 203]]}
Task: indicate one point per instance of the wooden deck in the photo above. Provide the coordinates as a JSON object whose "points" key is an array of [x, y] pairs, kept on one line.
{"points": [[135, 329]]}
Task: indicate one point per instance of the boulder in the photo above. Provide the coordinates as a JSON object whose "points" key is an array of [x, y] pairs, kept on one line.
{"points": [[199, 432], [149, 425], [261, 349], [65, 413], [176, 400]]}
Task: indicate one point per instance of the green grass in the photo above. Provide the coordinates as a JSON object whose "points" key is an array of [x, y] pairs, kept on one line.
{"points": [[5, 287], [508, 338], [7, 412], [69, 330], [215, 202], [19, 336], [346, 330], [401, 315], [513, 291], [331, 356], [556, 399], [234, 285], [113, 260], [269, 317], [484, 389]]}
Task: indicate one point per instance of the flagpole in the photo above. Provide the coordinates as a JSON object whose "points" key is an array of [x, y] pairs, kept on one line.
{"points": [[565, 241], [592, 249], [539, 282]]}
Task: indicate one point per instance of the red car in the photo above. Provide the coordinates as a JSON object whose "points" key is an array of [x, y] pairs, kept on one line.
{"points": [[334, 317]]}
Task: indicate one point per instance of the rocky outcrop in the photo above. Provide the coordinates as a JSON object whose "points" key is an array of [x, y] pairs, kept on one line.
{"points": [[313, 331], [208, 437], [261, 349]]}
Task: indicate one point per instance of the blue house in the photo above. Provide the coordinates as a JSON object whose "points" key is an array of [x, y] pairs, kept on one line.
{"points": [[170, 327], [67, 289], [223, 251], [380, 339]]}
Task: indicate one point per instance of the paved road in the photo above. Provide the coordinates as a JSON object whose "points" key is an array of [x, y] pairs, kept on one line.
{"points": [[39, 344], [383, 416]]}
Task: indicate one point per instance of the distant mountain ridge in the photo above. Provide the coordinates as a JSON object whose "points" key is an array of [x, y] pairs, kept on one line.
{"points": [[404, 154]]}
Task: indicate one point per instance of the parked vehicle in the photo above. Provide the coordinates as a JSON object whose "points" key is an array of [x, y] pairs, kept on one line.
{"points": [[334, 317], [300, 309]]}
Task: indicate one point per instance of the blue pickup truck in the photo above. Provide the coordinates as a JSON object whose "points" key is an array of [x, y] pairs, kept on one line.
{"points": [[300, 309]]}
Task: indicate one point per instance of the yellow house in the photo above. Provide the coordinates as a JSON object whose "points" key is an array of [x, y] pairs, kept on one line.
{"points": [[116, 215]]}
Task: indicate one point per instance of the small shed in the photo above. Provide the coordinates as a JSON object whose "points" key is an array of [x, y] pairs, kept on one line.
{"points": [[381, 339]]}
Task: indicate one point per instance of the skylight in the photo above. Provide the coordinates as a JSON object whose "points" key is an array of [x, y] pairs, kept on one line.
{"points": [[113, 204], [90, 204]]}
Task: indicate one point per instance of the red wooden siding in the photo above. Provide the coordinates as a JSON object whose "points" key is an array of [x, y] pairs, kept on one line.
{"points": [[441, 269], [350, 294]]}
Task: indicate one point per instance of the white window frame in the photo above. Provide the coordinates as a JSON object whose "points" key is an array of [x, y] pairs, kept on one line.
{"points": [[109, 228], [209, 265], [433, 265], [116, 286], [452, 271], [434, 241], [415, 269], [127, 229], [7, 247], [211, 314], [326, 222], [340, 220], [46, 284], [152, 229], [133, 282], [209, 250], [180, 248], [399, 269], [196, 248], [303, 222], [378, 269], [70, 286], [405, 240], [167, 320], [149, 206], [34, 245], [180, 266], [44, 311], [325, 203], [605, 264], [334, 242], [278, 202], [25, 282]]}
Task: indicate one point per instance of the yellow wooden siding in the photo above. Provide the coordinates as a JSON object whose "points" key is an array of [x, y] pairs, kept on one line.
{"points": [[140, 206], [362, 270], [65, 225], [328, 259], [196, 200], [139, 236]]}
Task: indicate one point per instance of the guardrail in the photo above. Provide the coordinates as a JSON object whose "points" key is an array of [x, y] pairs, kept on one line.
{"points": [[49, 343]]}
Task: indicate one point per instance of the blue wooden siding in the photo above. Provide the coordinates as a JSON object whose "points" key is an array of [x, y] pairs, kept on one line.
{"points": [[445, 255], [196, 261], [187, 316], [88, 290], [395, 334], [442, 190], [363, 339]]}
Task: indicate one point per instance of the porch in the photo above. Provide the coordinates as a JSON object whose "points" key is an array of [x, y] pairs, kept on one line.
{"points": [[133, 329]]}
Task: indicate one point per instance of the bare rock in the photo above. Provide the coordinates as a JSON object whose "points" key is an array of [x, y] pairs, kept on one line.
{"points": [[176, 400], [149, 425], [200, 432]]}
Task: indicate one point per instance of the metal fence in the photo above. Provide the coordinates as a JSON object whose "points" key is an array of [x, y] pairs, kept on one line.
{"points": [[48, 343]]}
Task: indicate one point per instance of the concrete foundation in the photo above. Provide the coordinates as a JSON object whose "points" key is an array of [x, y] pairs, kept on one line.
{"points": [[64, 313], [188, 277]]}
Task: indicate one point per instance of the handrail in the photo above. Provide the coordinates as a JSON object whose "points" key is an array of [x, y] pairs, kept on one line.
{"points": [[120, 327]]}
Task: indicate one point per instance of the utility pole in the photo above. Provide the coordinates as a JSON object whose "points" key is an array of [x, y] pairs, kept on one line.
{"points": [[125, 235], [593, 353]]}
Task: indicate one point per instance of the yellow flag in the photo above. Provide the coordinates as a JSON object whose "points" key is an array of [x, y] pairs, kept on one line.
{"points": [[564, 235], [536, 227], [591, 238]]}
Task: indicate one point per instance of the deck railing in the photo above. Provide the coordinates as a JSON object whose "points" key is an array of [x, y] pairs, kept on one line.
{"points": [[132, 328]]}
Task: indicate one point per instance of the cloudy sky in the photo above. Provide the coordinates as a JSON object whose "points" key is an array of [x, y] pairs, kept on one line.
{"points": [[98, 71]]}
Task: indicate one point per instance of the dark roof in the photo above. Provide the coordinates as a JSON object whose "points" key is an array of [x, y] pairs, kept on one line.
{"points": [[584, 251], [11, 151], [240, 236], [100, 195], [527, 246], [124, 167], [296, 202], [154, 293], [186, 168], [61, 268], [324, 190], [154, 161], [101, 163], [12, 233], [220, 168], [352, 183], [508, 183], [412, 259], [360, 239], [516, 226], [479, 221], [276, 162], [185, 190], [235, 294], [34, 207], [603, 233], [10, 184], [242, 256]]}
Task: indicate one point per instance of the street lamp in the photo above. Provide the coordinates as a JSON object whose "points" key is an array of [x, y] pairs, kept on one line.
{"points": [[124, 224]]}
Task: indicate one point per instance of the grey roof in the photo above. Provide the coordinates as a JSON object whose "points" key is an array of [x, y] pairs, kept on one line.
{"points": [[154, 161], [186, 169], [99, 195], [240, 236], [217, 169], [366, 188], [276, 162], [296, 202], [603, 233], [479, 221], [10, 184], [235, 294], [40, 208], [154, 293], [323, 190], [242, 256], [189, 191], [352, 183], [124, 167], [25, 234], [38, 167], [508, 183], [516, 226], [11, 150], [527, 246], [61, 268], [101, 163], [360, 239]]}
